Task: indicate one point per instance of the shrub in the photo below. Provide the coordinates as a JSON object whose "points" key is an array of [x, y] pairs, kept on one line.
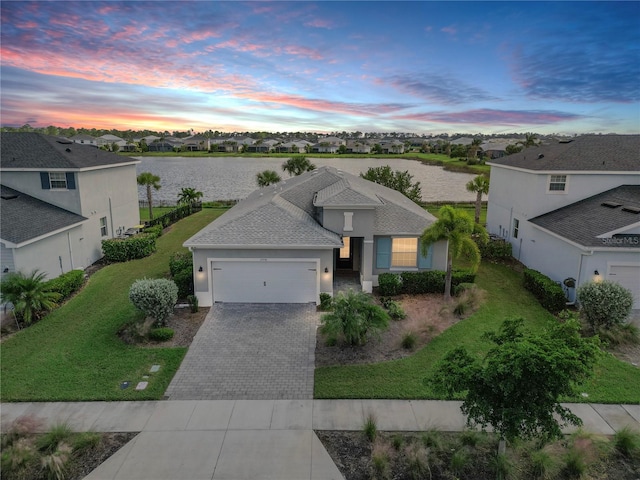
{"points": [[370, 428], [181, 270], [86, 440], [354, 317], [549, 293], [130, 248], [604, 304], [57, 434], [494, 248], [395, 310], [55, 465], [389, 284], [575, 465], [627, 442], [460, 461], [397, 441], [625, 334], [180, 261], [325, 301], [154, 297], [418, 463], [409, 341], [542, 464], [66, 284], [161, 334], [28, 294], [16, 456], [193, 303], [155, 231]]}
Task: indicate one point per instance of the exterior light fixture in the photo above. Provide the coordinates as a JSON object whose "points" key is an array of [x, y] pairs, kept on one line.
{"points": [[200, 269], [326, 270], [596, 273]]}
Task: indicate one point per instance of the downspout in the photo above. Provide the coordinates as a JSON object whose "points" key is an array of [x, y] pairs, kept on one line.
{"points": [[70, 251], [111, 218], [582, 255]]}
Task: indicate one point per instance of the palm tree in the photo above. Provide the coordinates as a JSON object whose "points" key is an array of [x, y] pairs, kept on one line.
{"points": [[27, 294], [189, 195], [456, 227], [266, 178], [530, 140], [149, 180], [479, 185], [474, 147], [297, 165]]}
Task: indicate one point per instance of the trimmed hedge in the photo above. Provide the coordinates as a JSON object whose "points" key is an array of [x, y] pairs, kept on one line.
{"points": [[156, 230], [131, 248], [412, 283], [495, 249], [549, 293], [181, 270], [66, 284]]}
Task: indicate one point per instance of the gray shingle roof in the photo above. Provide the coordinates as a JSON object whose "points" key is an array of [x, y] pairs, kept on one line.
{"points": [[24, 218], [582, 222], [28, 150], [283, 215], [585, 153]]}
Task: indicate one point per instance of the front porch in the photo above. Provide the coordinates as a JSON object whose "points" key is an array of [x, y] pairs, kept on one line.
{"points": [[345, 280]]}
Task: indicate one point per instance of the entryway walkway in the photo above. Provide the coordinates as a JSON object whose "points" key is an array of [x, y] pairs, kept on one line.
{"points": [[250, 352]]}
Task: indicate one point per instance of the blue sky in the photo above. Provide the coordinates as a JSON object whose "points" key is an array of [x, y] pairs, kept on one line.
{"points": [[422, 67]]}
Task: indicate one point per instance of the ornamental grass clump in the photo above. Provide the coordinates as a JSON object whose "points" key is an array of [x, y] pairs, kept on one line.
{"points": [[155, 298]]}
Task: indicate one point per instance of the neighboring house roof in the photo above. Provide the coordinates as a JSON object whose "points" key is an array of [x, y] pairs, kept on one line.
{"points": [[24, 218], [82, 136], [283, 215], [586, 221], [34, 151], [584, 153]]}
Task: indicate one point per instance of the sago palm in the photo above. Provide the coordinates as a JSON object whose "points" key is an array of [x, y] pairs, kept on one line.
{"points": [[456, 227], [28, 294]]}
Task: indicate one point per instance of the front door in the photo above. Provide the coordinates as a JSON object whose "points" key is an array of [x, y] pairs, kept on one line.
{"points": [[344, 259]]}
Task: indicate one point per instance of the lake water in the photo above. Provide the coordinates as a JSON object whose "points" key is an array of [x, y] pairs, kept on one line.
{"points": [[232, 178]]}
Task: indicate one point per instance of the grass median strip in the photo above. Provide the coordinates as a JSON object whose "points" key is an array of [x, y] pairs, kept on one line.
{"points": [[74, 353], [614, 381]]}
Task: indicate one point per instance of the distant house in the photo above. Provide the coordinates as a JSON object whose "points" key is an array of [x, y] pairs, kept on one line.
{"points": [[59, 201], [392, 146], [495, 149], [287, 242], [358, 146], [572, 209], [108, 140], [84, 139], [296, 146], [328, 145], [162, 146], [196, 143]]}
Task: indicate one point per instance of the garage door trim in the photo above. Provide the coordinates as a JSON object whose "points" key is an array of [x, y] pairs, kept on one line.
{"points": [[212, 261], [612, 265]]}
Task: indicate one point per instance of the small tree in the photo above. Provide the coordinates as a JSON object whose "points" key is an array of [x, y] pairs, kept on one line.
{"points": [[28, 294], [354, 317], [149, 180], [518, 385], [266, 178], [604, 304], [155, 298], [396, 180], [480, 186], [297, 165], [189, 195]]}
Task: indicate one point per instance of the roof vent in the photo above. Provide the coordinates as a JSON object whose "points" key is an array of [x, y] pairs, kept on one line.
{"points": [[629, 209], [541, 155], [67, 150], [9, 196], [611, 204], [64, 141]]}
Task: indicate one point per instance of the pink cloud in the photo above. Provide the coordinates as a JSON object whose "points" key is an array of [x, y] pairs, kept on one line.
{"points": [[451, 30], [303, 52], [488, 117], [320, 23]]}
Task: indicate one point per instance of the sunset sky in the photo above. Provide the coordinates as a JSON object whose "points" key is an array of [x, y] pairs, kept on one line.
{"points": [[421, 67]]}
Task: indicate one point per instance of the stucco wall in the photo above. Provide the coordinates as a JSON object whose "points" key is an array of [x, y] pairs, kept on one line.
{"points": [[363, 222], [29, 183]]}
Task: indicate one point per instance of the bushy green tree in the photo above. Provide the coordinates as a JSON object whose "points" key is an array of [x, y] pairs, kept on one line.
{"points": [[29, 295], [604, 304], [155, 298], [516, 388], [354, 317], [297, 165], [397, 180]]}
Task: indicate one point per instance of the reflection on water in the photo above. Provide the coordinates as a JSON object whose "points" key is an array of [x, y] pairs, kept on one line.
{"points": [[226, 178]]}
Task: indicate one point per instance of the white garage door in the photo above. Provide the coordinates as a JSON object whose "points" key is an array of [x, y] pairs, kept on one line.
{"points": [[629, 277], [265, 281]]}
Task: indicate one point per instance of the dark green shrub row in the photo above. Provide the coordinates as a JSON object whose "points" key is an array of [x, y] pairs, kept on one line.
{"points": [[549, 293], [125, 249], [161, 334], [156, 230], [432, 281], [174, 215], [66, 284], [181, 270], [495, 249]]}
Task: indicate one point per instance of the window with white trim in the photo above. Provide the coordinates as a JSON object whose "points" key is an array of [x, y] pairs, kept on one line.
{"points": [[104, 231], [404, 252], [557, 183], [516, 227], [58, 180]]}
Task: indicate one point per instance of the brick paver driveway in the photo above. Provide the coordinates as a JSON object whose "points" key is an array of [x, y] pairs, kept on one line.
{"points": [[250, 351]]}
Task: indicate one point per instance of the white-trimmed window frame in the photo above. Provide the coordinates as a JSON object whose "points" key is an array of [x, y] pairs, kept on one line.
{"points": [[516, 228], [104, 227], [555, 179], [415, 254], [57, 180]]}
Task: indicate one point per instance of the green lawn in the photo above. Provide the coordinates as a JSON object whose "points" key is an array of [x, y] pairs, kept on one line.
{"points": [[75, 354], [157, 212], [615, 381]]}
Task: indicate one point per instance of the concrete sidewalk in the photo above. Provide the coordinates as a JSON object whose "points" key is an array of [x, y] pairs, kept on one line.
{"points": [[257, 439]]}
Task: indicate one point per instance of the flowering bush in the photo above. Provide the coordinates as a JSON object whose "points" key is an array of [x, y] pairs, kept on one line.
{"points": [[155, 297], [604, 304]]}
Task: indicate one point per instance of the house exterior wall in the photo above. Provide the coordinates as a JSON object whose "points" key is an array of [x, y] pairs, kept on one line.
{"points": [[6, 260], [362, 221], [201, 257], [29, 183], [438, 260], [53, 255]]}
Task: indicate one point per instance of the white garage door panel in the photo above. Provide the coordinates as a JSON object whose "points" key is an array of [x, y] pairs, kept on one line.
{"points": [[264, 282], [629, 277]]}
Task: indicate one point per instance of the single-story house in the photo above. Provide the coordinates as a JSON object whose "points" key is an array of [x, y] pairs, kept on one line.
{"points": [[571, 209], [286, 242]]}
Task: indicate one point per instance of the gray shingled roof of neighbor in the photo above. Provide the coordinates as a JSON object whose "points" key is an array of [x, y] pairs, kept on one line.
{"points": [[29, 150], [23, 218], [282, 215], [619, 153], [582, 222]]}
